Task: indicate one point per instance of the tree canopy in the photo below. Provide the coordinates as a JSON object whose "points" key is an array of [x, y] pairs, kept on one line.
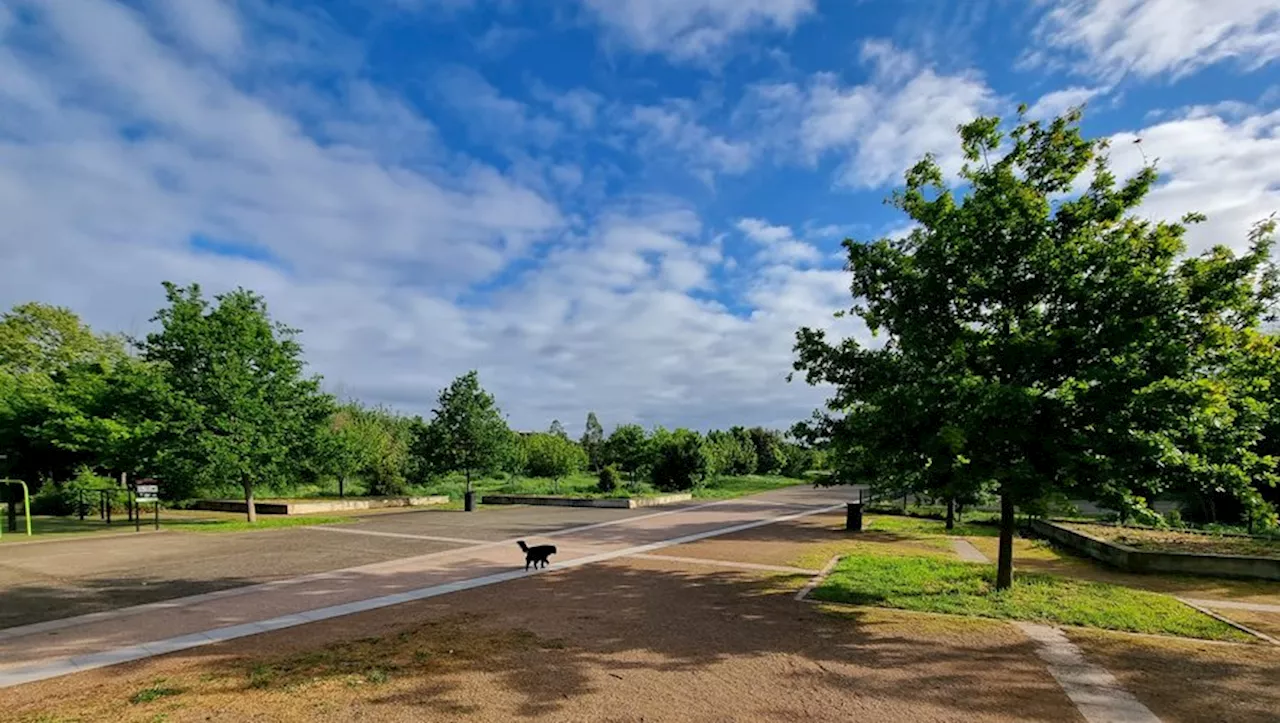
{"points": [[1035, 335]]}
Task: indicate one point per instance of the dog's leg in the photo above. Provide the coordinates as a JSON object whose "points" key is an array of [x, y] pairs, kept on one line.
{"points": [[526, 564]]}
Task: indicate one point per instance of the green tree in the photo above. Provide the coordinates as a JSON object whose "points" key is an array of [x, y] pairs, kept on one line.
{"points": [[680, 461], [628, 448], [240, 411], [771, 456], [1054, 326], [557, 429], [550, 455], [593, 442], [467, 433], [730, 454]]}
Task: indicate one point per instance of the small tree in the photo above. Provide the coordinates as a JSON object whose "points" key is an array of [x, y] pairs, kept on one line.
{"points": [[550, 455], [558, 429], [628, 448], [468, 433], [680, 462], [593, 442]]}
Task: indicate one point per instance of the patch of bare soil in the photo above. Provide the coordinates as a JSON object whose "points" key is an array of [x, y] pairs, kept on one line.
{"points": [[1181, 680], [622, 641]]}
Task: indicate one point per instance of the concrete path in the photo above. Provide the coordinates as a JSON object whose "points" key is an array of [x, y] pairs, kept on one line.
{"points": [[1232, 605], [967, 551], [56, 648], [1096, 693]]}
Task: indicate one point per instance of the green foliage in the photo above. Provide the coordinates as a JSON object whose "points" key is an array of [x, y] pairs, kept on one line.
{"points": [[929, 584], [679, 460], [551, 455], [729, 453], [593, 442], [62, 498], [1035, 342], [558, 429], [628, 448], [771, 456], [239, 411], [467, 433], [608, 479]]}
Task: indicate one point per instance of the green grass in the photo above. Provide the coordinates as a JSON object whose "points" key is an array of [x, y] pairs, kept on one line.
{"points": [[53, 527], [726, 487], [155, 692], [926, 584], [925, 526]]}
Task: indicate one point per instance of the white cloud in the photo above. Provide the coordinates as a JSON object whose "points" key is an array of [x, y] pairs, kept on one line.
{"points": [[116, 148], [694, 29], [1224, 166], [881, 127], [674, 128], [778, 243], [1109, 38], [210, 25], [1053, 104], [492, 115]]}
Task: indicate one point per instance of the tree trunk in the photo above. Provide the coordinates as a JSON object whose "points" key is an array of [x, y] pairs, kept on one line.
{"points": [[951, 513], [250, 512], [468, 479], [342, 486], [1004, 568]]}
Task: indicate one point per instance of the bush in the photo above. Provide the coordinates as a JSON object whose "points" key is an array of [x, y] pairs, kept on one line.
{"points": [[60, 498], [608, 479], [681, 460]]}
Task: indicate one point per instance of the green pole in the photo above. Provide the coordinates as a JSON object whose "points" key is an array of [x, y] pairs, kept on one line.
{"points": [[26, 502]]}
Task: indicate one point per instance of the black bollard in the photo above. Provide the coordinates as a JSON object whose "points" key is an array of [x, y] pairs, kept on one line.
{"points": [[853, 517], [469, 501]]}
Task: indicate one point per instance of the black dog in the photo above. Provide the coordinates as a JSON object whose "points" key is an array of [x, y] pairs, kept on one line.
{"points": [[537, 553]]}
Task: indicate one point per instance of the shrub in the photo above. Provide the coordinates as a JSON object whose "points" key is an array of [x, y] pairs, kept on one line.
{"points": [[681, 460], [608, 479], [60, 498]]}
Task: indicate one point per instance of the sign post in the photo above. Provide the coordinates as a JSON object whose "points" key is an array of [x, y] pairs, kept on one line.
{"points": [[148, 491]]}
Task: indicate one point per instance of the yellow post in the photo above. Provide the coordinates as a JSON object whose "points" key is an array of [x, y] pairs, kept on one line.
{"points": [[26, 502]]}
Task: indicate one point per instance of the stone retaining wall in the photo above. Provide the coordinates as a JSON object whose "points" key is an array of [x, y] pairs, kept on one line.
{"points": [[308, 507], [1132, 560], [610, 502]]}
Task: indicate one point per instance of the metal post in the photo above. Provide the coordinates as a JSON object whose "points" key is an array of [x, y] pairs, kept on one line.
{"points": [[853, 517], [157, 514], [107, 502], [13, 513], [136, 508]]}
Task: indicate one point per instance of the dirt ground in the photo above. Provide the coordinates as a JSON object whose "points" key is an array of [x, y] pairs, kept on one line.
{"points": [[649, 640], [633, 641]]}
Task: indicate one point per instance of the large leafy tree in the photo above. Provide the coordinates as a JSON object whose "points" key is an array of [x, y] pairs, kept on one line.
{"points": [[1036, 335], [240, 410], [468, 433], [551, 455], [680, 460]]}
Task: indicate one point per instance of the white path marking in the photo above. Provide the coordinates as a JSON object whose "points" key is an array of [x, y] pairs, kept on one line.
{"points": [[402, 535], [724, 563], [66, 666], [817, 579], [1095, 692], [1234, 605], [967, 551]]}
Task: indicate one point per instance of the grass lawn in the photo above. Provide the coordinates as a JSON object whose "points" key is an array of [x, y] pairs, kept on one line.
{"points": [[726, 487], [1176, 541], [925, 526], [54, 527], [928, 584]]}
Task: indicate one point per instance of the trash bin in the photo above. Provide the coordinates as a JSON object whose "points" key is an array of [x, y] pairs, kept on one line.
{"points": [[853, 517], [469, 501]]}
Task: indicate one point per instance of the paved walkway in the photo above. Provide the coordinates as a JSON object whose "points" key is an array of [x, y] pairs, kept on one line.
{"points": [[59, 647]]}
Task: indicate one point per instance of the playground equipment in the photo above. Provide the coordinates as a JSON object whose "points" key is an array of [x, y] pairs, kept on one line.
{"points": [[26, 506]]}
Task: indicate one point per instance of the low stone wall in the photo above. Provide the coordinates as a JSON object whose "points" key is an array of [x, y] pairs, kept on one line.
{"points": [[608, 502], [1184, 563], [310, 507]]}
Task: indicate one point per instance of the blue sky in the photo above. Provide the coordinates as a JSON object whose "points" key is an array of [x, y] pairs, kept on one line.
{"points": [[620, 205]]}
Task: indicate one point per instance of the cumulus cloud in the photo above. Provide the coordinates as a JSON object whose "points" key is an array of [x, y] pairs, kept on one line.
{"points": [[1111, 38], [880, 127], [130, 154], [778, 243], [693, 29], [1055, 103]]}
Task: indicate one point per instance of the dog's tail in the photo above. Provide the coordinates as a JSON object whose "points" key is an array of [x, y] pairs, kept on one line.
{"points": [[522, 545]]}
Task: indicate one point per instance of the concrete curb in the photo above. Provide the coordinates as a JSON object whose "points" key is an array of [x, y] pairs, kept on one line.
{"points": [[1221, 618], [817, 579]]}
